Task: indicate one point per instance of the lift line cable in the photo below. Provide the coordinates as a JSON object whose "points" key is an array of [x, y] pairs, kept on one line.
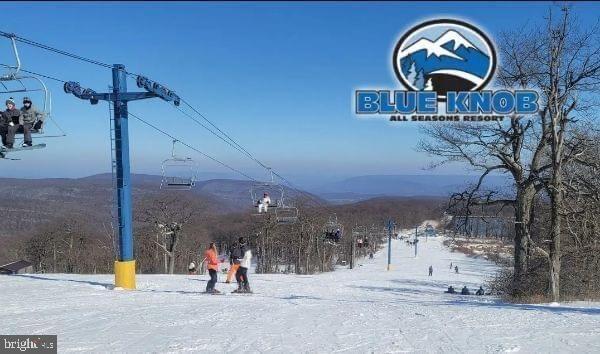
{"points": [[36, 74], [52, 49], [244, 151], [191, 147], [233, 143]]}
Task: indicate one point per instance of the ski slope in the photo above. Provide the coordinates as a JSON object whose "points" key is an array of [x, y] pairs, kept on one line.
{"points": [[356, 311]]}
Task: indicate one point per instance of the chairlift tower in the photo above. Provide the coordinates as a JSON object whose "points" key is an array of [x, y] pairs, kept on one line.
{"points": [[390, 228], [125, 264]]}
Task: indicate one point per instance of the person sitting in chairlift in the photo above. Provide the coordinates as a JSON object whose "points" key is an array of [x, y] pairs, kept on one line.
{"points": [[337, 235], [9, 123], [32, 120], [263, 203]]}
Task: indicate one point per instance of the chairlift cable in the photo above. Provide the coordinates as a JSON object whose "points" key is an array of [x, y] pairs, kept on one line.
{"points": [[191, 147], [240, 148], [52, 49]]}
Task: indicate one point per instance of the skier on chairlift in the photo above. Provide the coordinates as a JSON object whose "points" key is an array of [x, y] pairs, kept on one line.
{"points": [[9, 123], [263, 203], [32, 120], [337, 235]]}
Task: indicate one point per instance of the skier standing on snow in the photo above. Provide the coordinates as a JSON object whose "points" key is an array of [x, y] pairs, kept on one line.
{"points": [[212, 262], [430, 270], [450, 265], [456, 269], [192, 268], [234, 261], [242, 272]]}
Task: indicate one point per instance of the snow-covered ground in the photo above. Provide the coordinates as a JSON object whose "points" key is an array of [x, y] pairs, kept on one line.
{"points": [[364, 310]]}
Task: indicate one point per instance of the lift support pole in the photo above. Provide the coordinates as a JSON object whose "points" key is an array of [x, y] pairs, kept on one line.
{"points": [[125, 264], [390, 229]]}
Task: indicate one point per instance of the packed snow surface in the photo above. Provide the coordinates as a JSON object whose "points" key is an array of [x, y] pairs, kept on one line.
{"points": [[364, 310]]}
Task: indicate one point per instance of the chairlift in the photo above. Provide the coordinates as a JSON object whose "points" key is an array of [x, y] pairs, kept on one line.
{"points": [[13, 82], [261, 190], [286, 214], [333, 230], [178, 173], [359, 234]]}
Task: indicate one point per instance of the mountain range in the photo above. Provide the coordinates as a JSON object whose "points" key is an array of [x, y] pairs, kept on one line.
{"points": [[450, 54]]}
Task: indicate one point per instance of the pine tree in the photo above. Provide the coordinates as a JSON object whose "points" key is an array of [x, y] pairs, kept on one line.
{"points": [[428, 86], [412, 72], [419, 81]]}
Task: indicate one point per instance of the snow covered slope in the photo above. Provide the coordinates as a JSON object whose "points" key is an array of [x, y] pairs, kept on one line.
{"points": [[358, 311]]}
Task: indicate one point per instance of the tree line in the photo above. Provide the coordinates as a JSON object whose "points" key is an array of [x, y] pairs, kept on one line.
{"points": [[551, 158]]}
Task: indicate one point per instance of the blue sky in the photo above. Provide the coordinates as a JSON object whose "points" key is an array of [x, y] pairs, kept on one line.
{"points": [[278, 77]]}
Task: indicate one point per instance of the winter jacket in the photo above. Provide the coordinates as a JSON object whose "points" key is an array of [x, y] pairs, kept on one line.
{"points": [[212, 261], [237, 254], [31, 115], [246, 262], [12, 115], [265, 200]]}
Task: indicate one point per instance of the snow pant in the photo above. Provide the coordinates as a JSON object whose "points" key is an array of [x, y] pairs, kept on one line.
{"points": [[27, 127], [242, 277], [232, 272], [210, 286], [262, 207], [8, 135]]}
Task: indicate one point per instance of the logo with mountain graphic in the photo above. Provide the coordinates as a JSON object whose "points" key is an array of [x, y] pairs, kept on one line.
{"points": [[444, 55]]}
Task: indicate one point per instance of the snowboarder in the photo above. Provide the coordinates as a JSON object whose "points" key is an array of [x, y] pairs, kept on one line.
{"points": [[212, 262], [242, 272], [31, 118], [465, 291], [456, 269], [10, 120], [192, 268], [430, 270], [234, 262], [480, 291]]}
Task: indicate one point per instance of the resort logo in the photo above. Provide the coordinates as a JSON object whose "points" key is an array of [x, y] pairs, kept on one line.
{"points": [[445, 63], [444, 55]]}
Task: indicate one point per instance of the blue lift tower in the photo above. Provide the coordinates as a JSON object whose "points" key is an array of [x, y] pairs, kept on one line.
{"points": [[119, 97]]}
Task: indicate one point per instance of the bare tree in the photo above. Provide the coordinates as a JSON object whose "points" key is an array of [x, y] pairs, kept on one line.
{"points": [[169, 215], [563, 65]]}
